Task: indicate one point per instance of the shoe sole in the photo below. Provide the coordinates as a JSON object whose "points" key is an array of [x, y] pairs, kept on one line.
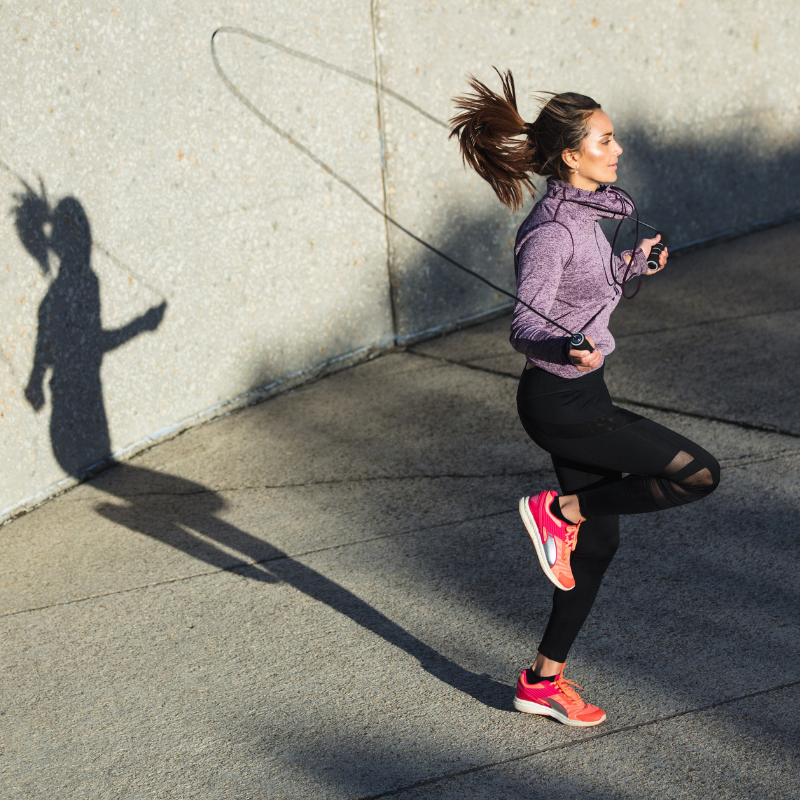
{"points": [[538, 545], [528, 707]]}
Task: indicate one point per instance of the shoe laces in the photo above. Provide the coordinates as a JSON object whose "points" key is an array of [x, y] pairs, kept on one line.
{"points": [[565, 686], [571, 535]]}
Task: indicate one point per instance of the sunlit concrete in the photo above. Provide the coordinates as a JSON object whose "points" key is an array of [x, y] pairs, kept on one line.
{"points": [[221, 263]]}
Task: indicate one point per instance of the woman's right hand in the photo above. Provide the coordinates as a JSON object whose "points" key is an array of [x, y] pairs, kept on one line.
{"points": [[585, 360]]}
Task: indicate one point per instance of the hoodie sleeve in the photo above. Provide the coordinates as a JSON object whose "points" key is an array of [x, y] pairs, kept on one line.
{"points": [[540, 263]]}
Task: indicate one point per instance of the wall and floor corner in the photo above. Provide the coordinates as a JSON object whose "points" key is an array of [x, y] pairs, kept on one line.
{"points": [[166, 256]]}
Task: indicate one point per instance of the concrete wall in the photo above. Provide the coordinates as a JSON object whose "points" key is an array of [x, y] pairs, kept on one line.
{"points": [[221, 261]]}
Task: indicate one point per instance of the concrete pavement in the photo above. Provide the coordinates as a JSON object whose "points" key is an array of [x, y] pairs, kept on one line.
{"points": [[330, 594]]}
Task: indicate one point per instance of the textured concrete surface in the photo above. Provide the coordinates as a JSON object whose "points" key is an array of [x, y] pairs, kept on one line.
{"points": [[265, 264], [330, 594], [219, 259]]}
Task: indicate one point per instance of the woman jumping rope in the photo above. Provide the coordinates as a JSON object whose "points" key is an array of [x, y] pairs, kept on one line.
{"points": [[566, 270]]}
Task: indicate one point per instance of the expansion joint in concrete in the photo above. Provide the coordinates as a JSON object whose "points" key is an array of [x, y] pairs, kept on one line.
{"points": [[736, 423], [440, 476], [376, 45], [749, 426], [710, 321], [746, 461], [244, 565], [500, 373]]}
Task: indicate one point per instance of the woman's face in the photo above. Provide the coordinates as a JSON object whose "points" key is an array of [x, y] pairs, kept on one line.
{"points": [[596, 162]]}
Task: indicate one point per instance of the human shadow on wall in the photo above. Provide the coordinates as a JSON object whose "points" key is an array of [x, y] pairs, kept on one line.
{"points": [[71, 340]]}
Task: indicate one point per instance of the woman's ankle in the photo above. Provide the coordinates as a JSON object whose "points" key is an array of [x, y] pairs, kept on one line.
{"points": [[570, 508], [544, 667]]}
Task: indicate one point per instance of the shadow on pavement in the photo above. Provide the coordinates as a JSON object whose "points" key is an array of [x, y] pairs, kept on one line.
{"points": [[197, 529]]}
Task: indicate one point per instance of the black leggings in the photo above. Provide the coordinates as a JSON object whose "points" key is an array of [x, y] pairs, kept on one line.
{"points": [[592, 443]]}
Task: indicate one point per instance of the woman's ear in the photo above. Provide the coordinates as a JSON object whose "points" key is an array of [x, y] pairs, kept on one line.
{"points": [[570, 158]]}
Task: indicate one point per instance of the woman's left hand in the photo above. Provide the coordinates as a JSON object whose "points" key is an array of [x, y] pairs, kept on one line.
{"points": [[646, 245]]}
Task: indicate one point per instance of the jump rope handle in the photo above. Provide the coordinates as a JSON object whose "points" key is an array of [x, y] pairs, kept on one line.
{"points": [[656, 250], [580, 342]]}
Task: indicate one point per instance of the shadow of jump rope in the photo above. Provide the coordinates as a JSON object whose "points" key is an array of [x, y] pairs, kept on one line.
{"points": [[322, 164]]}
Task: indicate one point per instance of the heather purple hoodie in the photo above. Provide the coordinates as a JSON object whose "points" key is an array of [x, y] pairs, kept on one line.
{"points": [[562, 266]]}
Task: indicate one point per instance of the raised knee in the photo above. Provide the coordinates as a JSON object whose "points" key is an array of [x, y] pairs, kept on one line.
{"points": [[708, 478], [715, 471]]}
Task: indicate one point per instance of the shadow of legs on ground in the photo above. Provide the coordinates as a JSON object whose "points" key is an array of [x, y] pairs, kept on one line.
{"points": [[149, 504]]}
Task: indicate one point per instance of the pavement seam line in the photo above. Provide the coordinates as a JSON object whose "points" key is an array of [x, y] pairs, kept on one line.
{"points": [[706, 322], [694, 414], [750, 426], [247, 564], [731, 463], [332, 482], [746, 461], [463, 364], [577, 742]]}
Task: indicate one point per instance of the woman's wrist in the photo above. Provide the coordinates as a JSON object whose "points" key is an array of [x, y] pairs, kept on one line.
{"points": [[636, 260], [565, 351]]}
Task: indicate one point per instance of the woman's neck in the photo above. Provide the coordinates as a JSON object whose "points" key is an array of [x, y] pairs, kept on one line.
{"points": [[579, 182]]}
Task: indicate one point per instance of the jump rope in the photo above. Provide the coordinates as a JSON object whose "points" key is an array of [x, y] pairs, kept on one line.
{"points": [[578, 341]]}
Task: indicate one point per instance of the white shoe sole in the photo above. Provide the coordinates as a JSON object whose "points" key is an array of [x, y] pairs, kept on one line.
{"points": [[527, 707], [536, 539]]}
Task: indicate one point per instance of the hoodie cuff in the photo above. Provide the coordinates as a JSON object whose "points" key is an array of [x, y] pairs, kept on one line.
{"points": [[565, 352], [639, 264]]}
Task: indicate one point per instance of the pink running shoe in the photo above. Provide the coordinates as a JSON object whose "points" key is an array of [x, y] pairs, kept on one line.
{"points": [[557, 699], [553, 539]]}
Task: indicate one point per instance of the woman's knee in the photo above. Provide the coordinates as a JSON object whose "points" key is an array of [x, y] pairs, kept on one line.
{"points": [[699, 477], [709, 476]]}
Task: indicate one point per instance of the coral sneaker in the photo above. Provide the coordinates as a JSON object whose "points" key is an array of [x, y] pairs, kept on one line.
{"points": [[553, 539], [557, 699]]}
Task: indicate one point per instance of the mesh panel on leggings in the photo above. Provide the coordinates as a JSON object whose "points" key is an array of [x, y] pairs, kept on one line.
{"points": [[685, 479], [664, 469], [661, 468]]}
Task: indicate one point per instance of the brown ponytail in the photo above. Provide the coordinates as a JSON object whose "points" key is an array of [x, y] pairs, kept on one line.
{"points": [[488, 130]]}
